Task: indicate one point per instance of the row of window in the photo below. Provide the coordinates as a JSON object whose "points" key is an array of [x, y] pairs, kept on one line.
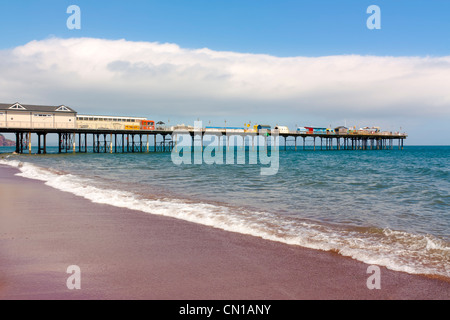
{"points": [[35, 114], [42, 115], [106, 119]]}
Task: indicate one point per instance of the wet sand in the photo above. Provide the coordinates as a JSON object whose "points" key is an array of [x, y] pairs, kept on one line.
{"points": [[126, 254]]}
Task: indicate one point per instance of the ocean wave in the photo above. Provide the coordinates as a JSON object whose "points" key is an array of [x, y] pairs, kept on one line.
{"points": [[396, 250]]}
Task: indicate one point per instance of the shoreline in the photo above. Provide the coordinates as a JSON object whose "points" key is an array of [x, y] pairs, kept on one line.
{"points": [[127, 254]]}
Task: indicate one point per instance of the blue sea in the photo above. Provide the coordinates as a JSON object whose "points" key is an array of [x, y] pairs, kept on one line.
{"points": [[385, 207]]}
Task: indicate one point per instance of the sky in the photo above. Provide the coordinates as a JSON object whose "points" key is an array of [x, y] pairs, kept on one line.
{"points": [[294, 63]]}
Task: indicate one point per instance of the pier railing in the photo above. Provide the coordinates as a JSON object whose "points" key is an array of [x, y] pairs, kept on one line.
{"points": [[34, 125]]}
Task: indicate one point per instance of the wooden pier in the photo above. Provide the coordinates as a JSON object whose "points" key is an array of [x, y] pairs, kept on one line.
{"points": [[141, 141]]}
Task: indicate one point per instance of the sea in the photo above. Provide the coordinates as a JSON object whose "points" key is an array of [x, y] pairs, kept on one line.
{"points": [[383, 207]]}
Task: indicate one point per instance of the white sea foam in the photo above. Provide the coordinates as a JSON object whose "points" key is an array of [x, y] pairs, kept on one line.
{"points": [[396, 250]]}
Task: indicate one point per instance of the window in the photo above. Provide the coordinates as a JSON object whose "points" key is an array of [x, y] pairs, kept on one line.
{"points": [[41, 115], [64, 109], [17, 106]]}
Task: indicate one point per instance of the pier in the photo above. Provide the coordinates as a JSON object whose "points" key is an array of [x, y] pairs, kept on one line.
{"points": [[116, 134], [144, 141]]}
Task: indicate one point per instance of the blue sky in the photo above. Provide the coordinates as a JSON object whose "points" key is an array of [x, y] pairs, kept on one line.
{"points": [[394, 77], [280, 28]]}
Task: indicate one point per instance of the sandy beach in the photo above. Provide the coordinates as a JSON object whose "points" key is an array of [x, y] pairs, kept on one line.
{"points": [[126, 254]]}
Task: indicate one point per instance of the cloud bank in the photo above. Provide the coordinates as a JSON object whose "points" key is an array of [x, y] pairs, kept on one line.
{"points": [[119, 76]]}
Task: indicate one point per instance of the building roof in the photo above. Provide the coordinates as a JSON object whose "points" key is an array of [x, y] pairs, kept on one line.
{"points": [[27, 107]]}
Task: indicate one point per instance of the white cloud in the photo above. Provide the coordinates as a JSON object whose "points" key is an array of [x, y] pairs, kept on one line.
{"points": [[110, 75]]}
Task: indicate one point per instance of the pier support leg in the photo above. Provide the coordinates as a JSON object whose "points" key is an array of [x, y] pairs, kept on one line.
{"points": [[29, 142], [45, 143], [22, 142], [17, 142], [59, 143], [39, 143], [74, 143]]}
